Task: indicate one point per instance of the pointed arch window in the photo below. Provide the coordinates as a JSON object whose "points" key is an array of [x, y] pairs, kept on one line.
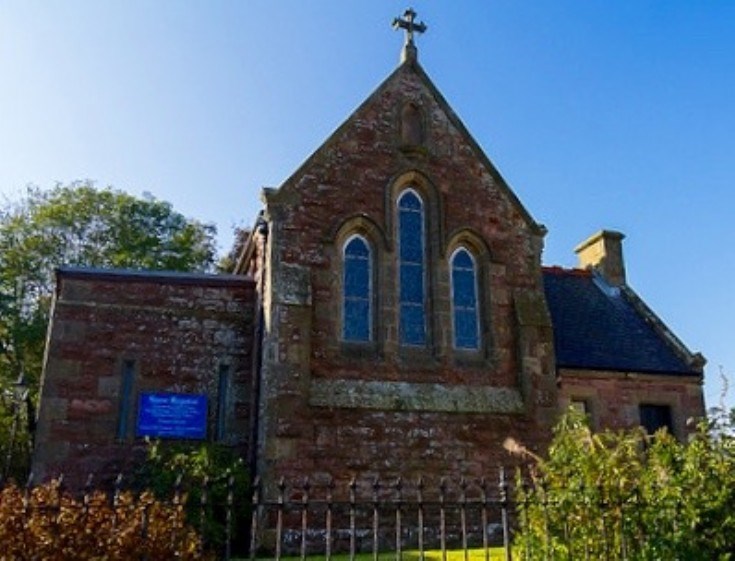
{"points": [[465, 317], [412, 280], [357, 290]]}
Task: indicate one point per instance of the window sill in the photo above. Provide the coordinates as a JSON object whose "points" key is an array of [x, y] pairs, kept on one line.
{"points": [[471, 358], [358, 350]]}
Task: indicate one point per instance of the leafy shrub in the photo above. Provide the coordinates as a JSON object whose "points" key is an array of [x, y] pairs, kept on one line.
{"points": [[49, 524], [624, 495], [205, 471]]}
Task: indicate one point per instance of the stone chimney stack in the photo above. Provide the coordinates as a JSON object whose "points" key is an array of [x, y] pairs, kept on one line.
{"points": [[603, 252]]}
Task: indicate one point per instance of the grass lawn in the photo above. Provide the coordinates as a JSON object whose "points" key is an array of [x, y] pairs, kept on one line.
{"points": [[496, 554]]}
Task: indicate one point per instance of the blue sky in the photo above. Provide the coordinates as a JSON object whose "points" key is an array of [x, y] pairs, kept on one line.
{"points": [[599, 114]]}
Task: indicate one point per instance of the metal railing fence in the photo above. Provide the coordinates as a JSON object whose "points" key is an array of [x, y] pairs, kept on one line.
{"points": [[319, 516], [374, 516]]}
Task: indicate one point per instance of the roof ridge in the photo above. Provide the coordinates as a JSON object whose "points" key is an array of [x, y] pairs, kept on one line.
{"points": [[572, 272]]}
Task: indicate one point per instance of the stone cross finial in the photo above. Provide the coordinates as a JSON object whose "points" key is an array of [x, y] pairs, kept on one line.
{"points": [[408, 23]]}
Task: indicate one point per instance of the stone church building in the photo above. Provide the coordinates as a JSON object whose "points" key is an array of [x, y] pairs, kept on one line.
{"points": [[389, 314]]}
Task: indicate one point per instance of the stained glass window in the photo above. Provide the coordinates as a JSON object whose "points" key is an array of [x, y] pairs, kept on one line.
{"points": [[357, 290], [412, 328], [464, 300]]}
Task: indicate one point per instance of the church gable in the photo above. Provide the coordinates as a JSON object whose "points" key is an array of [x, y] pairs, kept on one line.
{"points": [[404, 125], [403, 278], [404, 136]]}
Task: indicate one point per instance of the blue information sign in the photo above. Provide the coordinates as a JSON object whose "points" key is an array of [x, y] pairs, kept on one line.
{"points": [[172, 415]]}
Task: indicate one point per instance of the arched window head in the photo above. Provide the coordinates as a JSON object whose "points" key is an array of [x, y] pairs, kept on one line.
{"points": [[412, 280], [357, 290], [465, 317]]}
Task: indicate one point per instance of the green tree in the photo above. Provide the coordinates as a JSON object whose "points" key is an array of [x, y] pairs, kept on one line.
{"points": [[625, 495], [228, 261], [80, 225]]}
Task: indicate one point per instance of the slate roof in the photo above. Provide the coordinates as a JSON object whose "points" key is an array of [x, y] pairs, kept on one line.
{"points": [[598, 326]]}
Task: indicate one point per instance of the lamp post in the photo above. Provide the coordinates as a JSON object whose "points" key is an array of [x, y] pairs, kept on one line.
{"points": [[23, 391]]}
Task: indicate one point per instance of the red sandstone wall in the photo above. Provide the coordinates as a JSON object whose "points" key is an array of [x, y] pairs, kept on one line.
{"points": [[176, 328], [613, 398], [421, 412]]}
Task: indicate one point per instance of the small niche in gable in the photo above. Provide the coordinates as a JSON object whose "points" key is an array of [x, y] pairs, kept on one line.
{"points": [[413, 135]]}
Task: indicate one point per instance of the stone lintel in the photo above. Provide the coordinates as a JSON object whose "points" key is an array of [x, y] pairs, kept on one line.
{"points": [[572, 372]]}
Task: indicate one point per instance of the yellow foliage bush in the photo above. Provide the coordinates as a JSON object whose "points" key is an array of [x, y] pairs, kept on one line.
{"points": [[49, 524]]}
